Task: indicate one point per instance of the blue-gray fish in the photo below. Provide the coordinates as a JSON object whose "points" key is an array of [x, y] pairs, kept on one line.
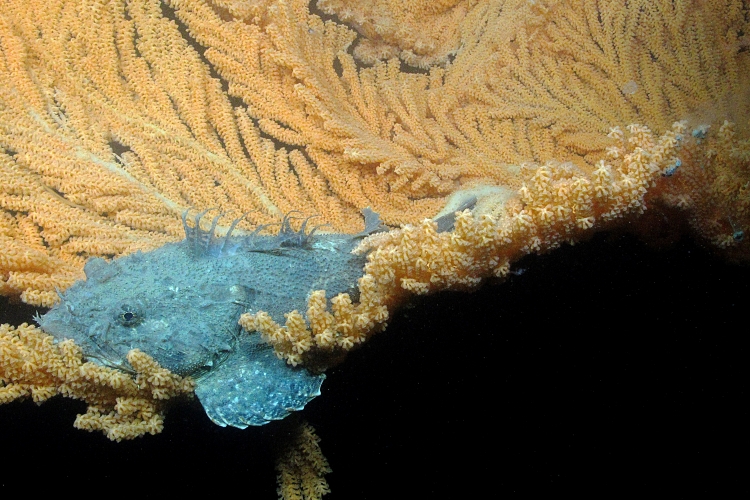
{"points": [[180, 304]]}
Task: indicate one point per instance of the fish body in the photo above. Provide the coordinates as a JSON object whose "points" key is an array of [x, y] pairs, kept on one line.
{"points": [[181, 303]]}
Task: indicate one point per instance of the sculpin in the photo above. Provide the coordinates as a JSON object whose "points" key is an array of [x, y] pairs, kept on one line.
{"points": [[180, 304]]}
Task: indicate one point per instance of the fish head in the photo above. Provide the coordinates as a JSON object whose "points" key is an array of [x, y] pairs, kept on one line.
{"points": [[172, 307]]}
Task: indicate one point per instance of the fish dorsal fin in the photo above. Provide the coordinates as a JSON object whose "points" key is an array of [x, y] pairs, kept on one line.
{"points": [[373, 224]]}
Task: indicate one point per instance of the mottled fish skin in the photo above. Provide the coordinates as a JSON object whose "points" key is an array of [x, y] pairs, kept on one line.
{"points": [[180, 304]]}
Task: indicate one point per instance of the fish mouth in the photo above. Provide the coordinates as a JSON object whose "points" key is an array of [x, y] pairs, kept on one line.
{"points": [[63, 326]]}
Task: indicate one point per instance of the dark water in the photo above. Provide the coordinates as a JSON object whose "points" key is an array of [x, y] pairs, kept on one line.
{"points": [[603, 368]]}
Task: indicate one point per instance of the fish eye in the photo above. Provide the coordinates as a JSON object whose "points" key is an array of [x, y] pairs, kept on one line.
{"points": [[129, 315]]}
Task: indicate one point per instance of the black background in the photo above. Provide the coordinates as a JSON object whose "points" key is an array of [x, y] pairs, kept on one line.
{"points": [[604, 368]]}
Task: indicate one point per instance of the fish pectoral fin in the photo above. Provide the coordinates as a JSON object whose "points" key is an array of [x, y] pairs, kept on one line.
{"points": [[253, 387]]}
